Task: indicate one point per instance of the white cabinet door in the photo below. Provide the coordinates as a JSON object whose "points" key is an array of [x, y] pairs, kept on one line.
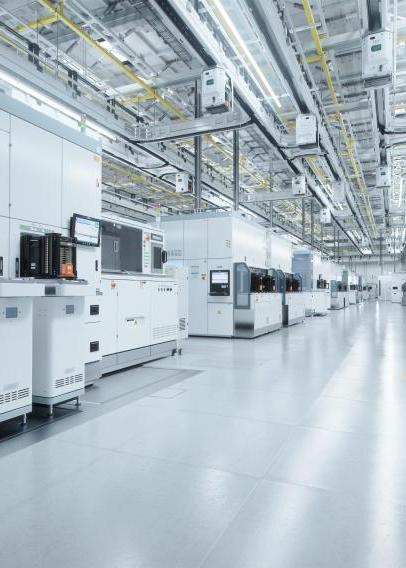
{"points": [[4, 173], [108, 308], [4, 246], [219, 238], [134, 314], [4, 121], [81, 182], [35, 174], [198, 291], [195, 239]]}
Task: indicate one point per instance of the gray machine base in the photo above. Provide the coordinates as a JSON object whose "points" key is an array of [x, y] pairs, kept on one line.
{"points": [[293, 321], [252, 334], [117, 361], [51, 401], [286, 320], [22, 411], [93, 372]]}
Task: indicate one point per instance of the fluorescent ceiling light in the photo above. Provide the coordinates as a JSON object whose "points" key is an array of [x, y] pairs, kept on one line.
{"points": [[242, 46], [112, 49], [52, 103]]}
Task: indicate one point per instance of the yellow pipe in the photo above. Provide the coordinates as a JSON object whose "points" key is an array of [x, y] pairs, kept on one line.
{"points": [[45, 21], [59, 13], [313, 58], [347, 139]]}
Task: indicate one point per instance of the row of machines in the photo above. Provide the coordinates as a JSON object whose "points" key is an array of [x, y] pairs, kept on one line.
{"points": [[232, 292], [80, 295], [50, 203]]}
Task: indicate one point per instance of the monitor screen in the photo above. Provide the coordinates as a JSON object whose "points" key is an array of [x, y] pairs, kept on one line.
{"points": [[86, 230], [220, 276]]}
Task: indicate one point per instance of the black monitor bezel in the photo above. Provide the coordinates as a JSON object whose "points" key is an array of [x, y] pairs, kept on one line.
{"points": [[74, 218]]}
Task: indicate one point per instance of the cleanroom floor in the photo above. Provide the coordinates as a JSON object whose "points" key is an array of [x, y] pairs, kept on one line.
{"points": [[287, 451]]}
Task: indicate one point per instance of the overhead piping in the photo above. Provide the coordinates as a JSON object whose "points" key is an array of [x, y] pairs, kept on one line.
{"points": [[347, 139]]}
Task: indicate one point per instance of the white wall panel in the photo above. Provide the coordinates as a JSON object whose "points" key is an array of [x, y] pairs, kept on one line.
{"points": [[81, 182], [35, 174], [219, 238], [4, 173], [4, 246], [4, 121], [249, 243], [195, 239], [281, 254]]}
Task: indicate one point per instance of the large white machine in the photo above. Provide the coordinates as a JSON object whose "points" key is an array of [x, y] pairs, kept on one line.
{"points": [[257, 301], [139, 302], [314, 274], [49, 231], [211, 245], [16, 317]]}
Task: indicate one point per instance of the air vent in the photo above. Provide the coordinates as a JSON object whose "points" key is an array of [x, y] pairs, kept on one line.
{"points": [[14, 395], [182, 324], [67, 381], [164, 331]]}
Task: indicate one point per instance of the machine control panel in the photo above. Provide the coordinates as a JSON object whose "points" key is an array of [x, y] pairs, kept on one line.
{"points": [[219, 283]]}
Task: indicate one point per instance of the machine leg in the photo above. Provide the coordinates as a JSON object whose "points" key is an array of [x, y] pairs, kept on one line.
{"points": [[24, 422], [78, 403], [51, 410]]}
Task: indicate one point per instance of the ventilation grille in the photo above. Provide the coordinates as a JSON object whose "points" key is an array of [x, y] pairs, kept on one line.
{"points": [[164, 331], [67, 381], [182, 324], [14, 395]]}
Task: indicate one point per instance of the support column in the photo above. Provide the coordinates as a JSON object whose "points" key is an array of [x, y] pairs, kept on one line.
{"points": [[236, 169], [381, 251], [198, 152], [303, 218], [312, 222]]}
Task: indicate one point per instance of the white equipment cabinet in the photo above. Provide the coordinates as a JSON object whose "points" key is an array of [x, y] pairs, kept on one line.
{"points": [[59, 344], [396, 294], [377, 59], [140, 319], [263, 315], [16, 317], [294, 308], [139, 303], [181, 276], [306, 130], [217, 90], [321, 302], [93, 332]]}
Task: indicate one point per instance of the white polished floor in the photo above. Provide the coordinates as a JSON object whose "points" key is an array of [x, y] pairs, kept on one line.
{"points": [[283, 452]]}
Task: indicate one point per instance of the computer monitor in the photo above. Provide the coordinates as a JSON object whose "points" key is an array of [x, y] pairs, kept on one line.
{"points": [[86, 230], [219, 282]]}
